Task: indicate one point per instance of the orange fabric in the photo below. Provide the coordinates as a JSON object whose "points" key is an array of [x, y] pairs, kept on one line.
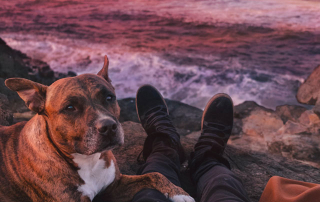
{"points": [[280, 189]]}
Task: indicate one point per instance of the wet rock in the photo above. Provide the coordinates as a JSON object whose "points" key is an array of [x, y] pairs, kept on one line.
{"points": [[253, 167]]}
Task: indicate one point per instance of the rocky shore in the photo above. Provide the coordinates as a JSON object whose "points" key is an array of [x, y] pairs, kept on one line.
{"points": [[264, 142], [14, 63]]}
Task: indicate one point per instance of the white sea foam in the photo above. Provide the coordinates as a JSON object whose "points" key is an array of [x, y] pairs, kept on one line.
{"points": [[129, 70], [148, 41]]}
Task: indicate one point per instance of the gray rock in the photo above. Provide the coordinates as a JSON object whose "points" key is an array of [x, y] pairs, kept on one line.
{"points": [[244, 109], [290, 131], [13, 63], [253, 167], [6, 116], [184, 117], [256, 128], [316, 110], [309, 91], [289, 112]]}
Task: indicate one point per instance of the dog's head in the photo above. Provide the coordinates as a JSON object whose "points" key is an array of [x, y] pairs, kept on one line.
{"points": [[81, 112]]}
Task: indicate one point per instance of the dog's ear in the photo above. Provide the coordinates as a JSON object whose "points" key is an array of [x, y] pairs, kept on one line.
{"points": [[104, 71], [33, 94]]}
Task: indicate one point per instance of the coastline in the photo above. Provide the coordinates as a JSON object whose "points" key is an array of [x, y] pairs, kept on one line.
{"points": [[264, 142]]}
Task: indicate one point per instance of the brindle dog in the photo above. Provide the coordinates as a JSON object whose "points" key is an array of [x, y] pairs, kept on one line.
{"points": [[64, 152]]}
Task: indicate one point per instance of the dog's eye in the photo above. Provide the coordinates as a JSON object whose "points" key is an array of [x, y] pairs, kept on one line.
{"points": [[109, 98], [70, 108]]}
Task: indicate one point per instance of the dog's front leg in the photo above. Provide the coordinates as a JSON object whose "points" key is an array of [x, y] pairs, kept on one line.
{"points": [[128, 185]]}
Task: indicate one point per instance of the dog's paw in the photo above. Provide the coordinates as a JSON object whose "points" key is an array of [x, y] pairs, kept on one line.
{"points": [[182, 198]]}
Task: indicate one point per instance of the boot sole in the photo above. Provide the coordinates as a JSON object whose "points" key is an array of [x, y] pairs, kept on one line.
{"points": [[210, 102]]}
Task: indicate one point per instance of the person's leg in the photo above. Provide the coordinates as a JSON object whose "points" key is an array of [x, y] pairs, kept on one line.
{"points": [[218, 183], [210, 170], [162, 149], [163, 159], [150, 195]]}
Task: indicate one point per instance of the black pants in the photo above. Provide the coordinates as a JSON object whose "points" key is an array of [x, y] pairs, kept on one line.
{"points": [[215, 181]]}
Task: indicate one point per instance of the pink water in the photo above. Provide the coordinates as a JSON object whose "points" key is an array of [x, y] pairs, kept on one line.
{"points": [[253, 50]]}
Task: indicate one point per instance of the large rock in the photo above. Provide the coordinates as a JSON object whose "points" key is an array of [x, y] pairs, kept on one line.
{"points": [[298, 139], [246, 108], [290, 131], [6, 116], [253, 167], [258, 151], [13, 63], [184, 117], [253, 124], [256, 128], [243, 111], [262, 143], [309, 91], [261, 123], [289, 112]]}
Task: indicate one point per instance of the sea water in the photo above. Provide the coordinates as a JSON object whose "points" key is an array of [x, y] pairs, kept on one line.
{"points": [[190, 50]]}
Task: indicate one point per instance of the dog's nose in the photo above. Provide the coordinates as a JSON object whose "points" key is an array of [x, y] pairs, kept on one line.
{"points": [[107, 127]]}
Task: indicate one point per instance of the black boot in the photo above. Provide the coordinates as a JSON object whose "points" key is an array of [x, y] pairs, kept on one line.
{"points": [[153, 114], [216, 127]]}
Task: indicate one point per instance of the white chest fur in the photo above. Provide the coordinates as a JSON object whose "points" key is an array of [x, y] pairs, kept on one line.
{"points": [[94, 173]]}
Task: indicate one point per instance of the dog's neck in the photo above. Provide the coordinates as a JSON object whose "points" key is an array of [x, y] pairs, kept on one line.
{"points": [[36, 137]]}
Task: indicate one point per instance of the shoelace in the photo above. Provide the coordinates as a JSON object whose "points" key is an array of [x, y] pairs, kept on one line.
{"points": [[157, 120], [213, 133]]}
